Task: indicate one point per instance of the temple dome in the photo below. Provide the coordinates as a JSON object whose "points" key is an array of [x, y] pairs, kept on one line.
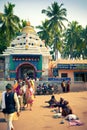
{"points": [[28, 42], [28, 28]]}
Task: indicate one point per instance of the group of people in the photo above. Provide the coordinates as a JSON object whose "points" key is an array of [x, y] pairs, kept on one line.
{"points": [[15, 98], [64, 111], [26, 92], [62, 105], [65, 86]]}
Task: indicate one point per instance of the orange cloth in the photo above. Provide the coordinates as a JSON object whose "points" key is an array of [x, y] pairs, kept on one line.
{"points": [[15, 86]]}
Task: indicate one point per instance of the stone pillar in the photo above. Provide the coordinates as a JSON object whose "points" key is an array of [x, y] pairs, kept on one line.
{"points": [[45, 65], [7, 67]]}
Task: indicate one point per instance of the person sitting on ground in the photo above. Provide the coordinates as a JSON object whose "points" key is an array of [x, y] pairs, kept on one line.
{"points": [[65, 108], [59, 103], [52, 102]]}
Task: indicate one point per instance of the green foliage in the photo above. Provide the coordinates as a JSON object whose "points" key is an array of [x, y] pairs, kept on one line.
{"points": [[54, 26], [24, 22], [9, 26], [44, 32], [70, 41], [75, 42]]}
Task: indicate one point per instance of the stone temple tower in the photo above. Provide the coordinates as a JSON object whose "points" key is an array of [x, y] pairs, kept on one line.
{"points": [[27, 55]]}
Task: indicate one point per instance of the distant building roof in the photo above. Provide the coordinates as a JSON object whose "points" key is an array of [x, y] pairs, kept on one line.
{"points": [[70, 61]]}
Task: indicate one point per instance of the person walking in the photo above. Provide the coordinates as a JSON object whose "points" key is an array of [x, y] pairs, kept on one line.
{"points": [[29, 95], [23, 90], [10, 106], [19, 92]]}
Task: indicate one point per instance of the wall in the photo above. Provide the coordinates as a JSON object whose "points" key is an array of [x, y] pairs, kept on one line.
{"points": [[69, 72], [74, 86]]}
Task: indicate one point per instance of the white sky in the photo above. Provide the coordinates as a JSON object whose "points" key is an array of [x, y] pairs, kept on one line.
{"points": [[31, 10]]}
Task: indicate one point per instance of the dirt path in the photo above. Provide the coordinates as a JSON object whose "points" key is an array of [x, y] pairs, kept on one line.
{"points": [[41, 118]]}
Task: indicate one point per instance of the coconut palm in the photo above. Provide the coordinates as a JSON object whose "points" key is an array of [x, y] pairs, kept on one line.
{"points": [[43, 32], [73, 42], [84, 42], [56, 15], [9, 23], [24, 23]]}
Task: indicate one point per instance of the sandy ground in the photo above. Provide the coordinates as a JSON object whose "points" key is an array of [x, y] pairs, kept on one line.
{"points": [[41, 117]]}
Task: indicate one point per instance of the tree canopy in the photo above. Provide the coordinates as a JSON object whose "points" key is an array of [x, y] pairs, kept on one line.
{"points": [[70, 40], [9, 26]]}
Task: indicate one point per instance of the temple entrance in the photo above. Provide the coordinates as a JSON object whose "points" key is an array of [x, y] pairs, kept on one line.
{"points": [[26, 71]]}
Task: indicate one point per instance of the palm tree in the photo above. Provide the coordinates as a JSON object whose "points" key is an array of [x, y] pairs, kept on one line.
{"points": [[73, 42], [57, 46], [84, 42], [24, 23], [44, 33], [56, 15], [9, 23]]}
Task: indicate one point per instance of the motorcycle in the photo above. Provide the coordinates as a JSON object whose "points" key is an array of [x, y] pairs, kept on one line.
{"points": [[45, 89], [39, 89]]}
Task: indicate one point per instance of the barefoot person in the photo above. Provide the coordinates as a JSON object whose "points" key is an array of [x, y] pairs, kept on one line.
{"points": [[10, 105], [52, 102], [29, 96]]}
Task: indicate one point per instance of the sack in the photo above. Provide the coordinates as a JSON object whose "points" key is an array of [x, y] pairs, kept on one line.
{"points": [[57, 115], [71, 117], [75, 123]]}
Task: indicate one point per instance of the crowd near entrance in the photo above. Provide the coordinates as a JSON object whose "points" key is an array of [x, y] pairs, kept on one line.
{"points": [[26, 70]]}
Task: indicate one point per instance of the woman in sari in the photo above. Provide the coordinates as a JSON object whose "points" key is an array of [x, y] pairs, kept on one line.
{"points": [[29, 96]]}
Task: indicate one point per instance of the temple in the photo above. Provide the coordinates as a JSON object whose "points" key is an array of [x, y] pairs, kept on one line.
{"points": [[27, 56]]}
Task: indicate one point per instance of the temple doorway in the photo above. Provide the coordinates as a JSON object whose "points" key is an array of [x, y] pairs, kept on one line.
{"points": [[26, 71]]}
